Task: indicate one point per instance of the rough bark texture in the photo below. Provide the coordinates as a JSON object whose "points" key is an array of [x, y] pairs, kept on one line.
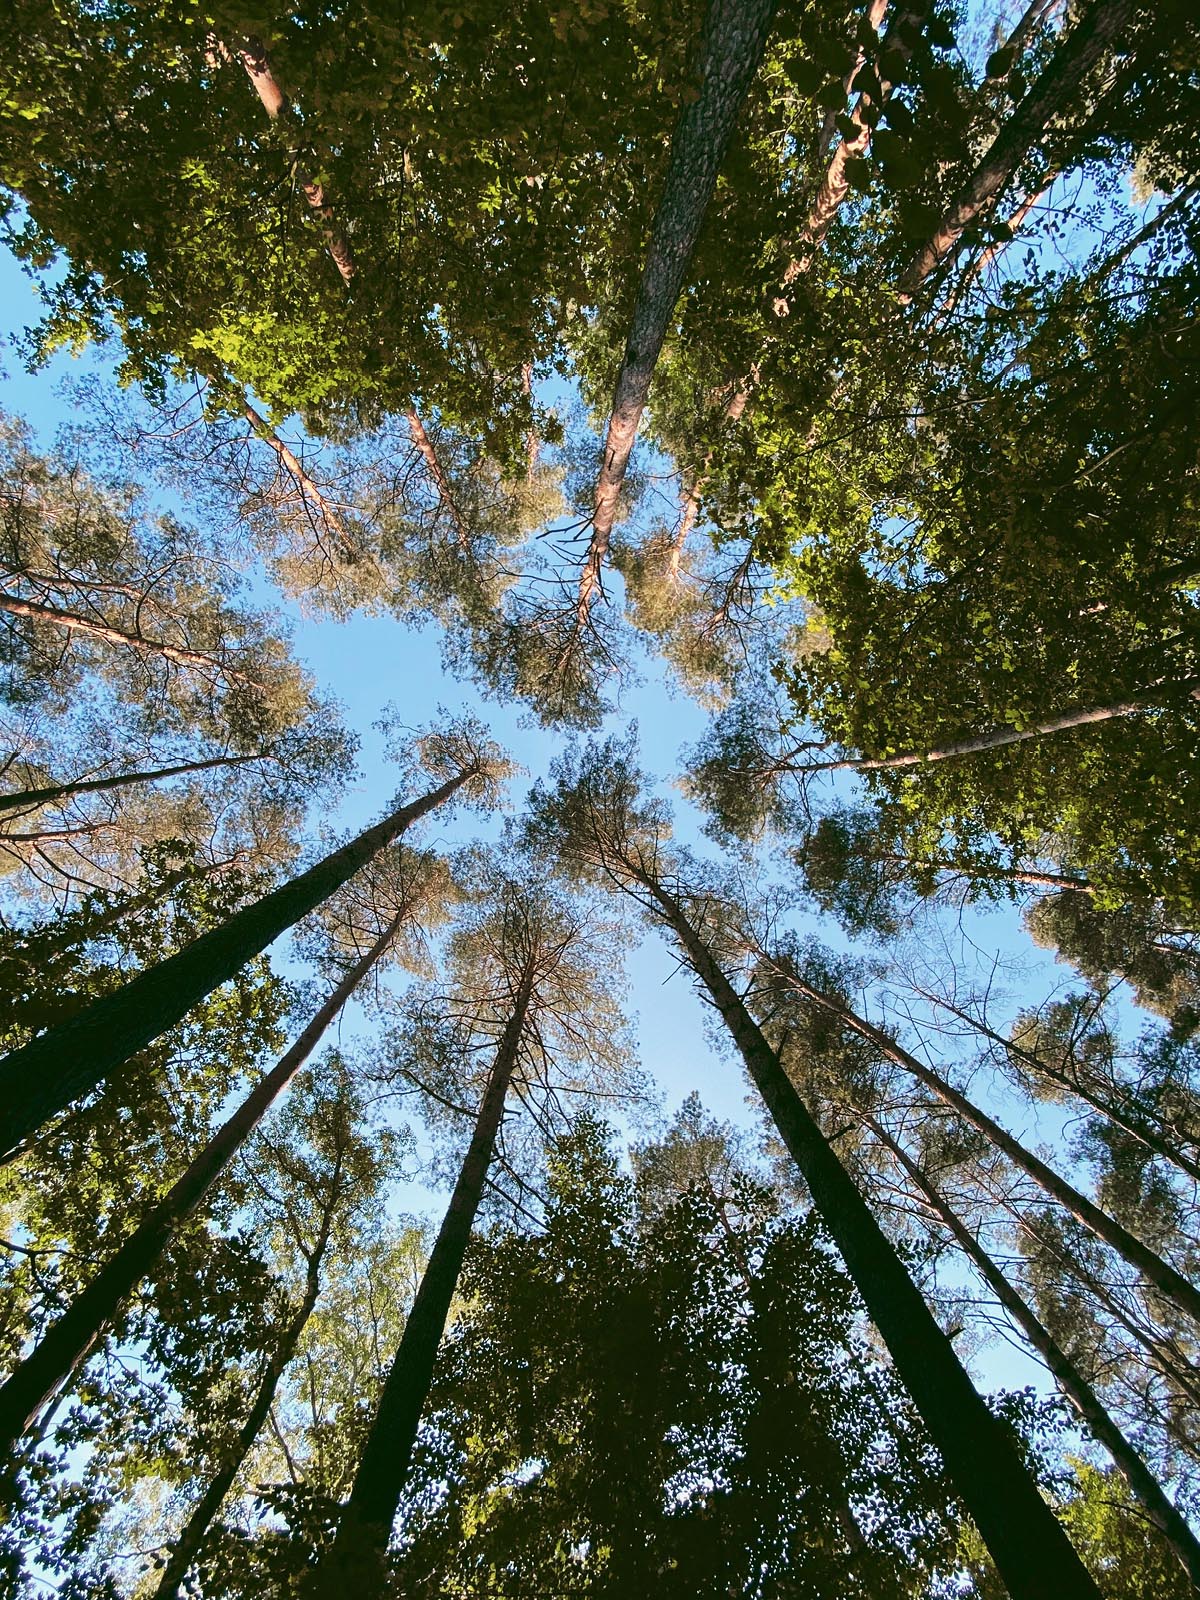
{"points": [[735, 34], [1070, 1380], [1030, 1549], [441, 483], [1078, 52], [74, 623], [253, 56], [68, 1342], [1154, 1269], [44, 1076], [355, 1563], [195, 1530], [22, 799]]}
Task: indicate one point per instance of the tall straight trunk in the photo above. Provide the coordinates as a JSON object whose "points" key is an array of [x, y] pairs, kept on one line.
{"points": [[1153, 1268], [254, 58], [735, 35], [1029, 1547], [1097, 29], [996, 739], [22, 798], [1119, 1119], [355, 1562], [73, 622], [1070, 1380], [67, 1343], [44, 1076], [195, 1530]]}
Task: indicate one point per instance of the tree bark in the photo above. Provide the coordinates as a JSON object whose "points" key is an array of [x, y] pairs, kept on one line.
{"points": [[253, 56], [1097, 29], [44, 1076], [1153, 1268], [354, 1564], [1029, 1547], [1070, 1380], [441, 483], [67, 1343], [195, 1530], [995, 740], [22, 798], [74, 623], [735, 35]]}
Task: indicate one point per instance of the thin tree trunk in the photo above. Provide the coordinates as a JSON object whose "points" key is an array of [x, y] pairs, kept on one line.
{"points": [[441, 483], [1070, 1380], [67, 1343], [253, 56], [309, 488], [1029, 1547], [44, 1076], [195, 1530], [22, 798], [1153, 1268], [355, 1562], [995, 740], [1097, 29], [1143, 1136], [74, 623], [735, 35]]}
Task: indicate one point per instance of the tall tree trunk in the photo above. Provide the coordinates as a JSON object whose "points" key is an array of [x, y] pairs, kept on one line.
{"points": [[996, 739], [355, 1563], [23, 798], [44, 1076], [735, 35], [1076, 54], [310, 490], [441, 483], [1030, 1549], [67, 1343], [74, 623], [1136, 1131], [1153, 1268], [253, 56], [195, 1530], [1070, 1380]]}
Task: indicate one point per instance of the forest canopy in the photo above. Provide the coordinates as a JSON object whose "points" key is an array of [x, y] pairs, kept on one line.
{"points": [[600, 736]]}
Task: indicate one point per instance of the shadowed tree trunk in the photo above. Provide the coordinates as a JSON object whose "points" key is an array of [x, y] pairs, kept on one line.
{"points": [[735, 34], [22, 798], [68, 1342], [1070, 1380], [195, 1530], [1153, 1268], [354, 1565], [1077, 53], [46, 1075], [1028, 1545]]}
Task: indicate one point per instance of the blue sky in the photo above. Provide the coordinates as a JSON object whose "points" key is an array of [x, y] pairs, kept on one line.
{"points": [[368, 663]]}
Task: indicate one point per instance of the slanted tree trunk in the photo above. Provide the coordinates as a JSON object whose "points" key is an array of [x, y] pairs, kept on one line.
{"points": [[74, 623], [67, 1343], [1029, 1547], [44, 1076], [441, 483], [195, 1530], [22, 799], [253, 56], [1070, 1380], [1097, 29], [355, 1562], [1153, 1268], [996, 739], [735, 35]]}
